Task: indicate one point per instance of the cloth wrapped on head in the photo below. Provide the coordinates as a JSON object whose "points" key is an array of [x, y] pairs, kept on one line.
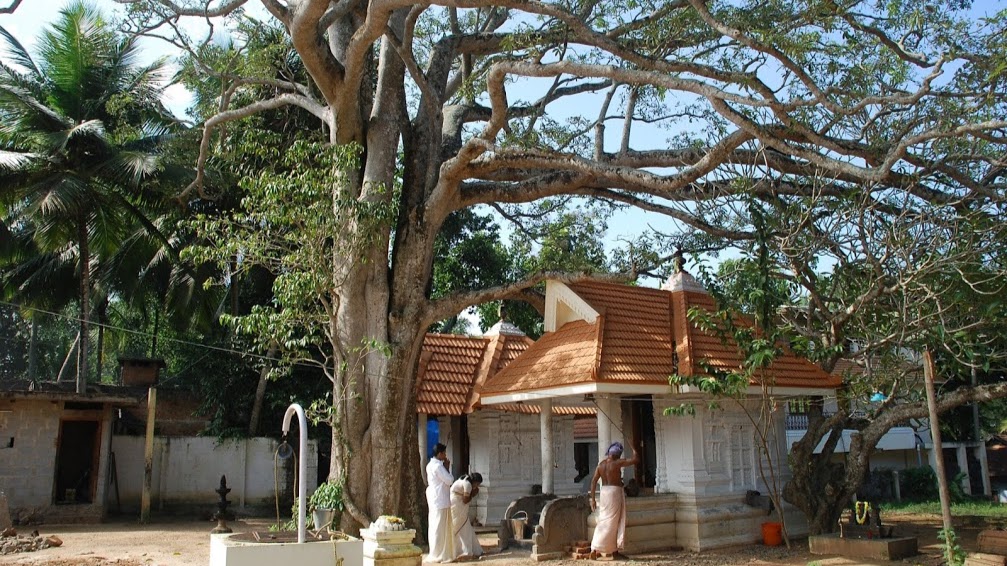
{"points": [[614, 448]]}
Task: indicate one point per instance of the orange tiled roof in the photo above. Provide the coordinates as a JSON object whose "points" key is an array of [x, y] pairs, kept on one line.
{"points": [[448, 369], [642, 336], [534, 409], [566, 356], [787, 370], [452, 368], [636, 345]]}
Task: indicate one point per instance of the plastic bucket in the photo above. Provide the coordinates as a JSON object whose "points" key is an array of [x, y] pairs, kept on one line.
{"points": [[772, 534], [518, 521]]}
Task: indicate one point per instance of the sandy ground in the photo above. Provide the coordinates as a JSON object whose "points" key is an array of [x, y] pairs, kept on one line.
{"points": [[187, 543]]}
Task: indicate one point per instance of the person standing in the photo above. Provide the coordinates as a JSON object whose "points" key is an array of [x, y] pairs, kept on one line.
{"points": [[441, 534], [463, 492], [610, 529]]}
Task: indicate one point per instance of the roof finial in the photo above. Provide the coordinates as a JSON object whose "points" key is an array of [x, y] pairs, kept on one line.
{"points": [[678, 261], [502, 311]]}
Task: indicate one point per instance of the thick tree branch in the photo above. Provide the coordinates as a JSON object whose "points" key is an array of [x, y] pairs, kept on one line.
{"points": [[11, 8], [237, 114], [455, 303]]}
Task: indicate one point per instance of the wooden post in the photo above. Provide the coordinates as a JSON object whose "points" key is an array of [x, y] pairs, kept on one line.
{"points": [[935, 435], [148, 457]]}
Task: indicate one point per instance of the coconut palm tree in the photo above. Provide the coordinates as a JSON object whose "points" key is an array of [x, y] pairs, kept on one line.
{"points": [[81, 129]]}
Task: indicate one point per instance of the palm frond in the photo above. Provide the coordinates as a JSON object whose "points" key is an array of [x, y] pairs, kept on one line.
{"points": [[16, 53], [16, 160], [24, 111], [132, 167]]}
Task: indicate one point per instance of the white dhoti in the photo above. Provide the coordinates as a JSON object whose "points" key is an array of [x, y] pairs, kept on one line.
{"points": [[610, 532], [466, 541], [441, 539]]}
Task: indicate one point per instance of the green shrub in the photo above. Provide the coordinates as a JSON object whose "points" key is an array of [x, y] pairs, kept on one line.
{"points": [[918, 484], [329, 495]]}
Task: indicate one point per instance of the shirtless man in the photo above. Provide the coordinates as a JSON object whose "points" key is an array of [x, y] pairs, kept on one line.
{"points": [[609, 534]]}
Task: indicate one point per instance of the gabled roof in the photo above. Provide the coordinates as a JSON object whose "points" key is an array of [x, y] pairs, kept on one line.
{"points": [[640, 337], [452, 368]]}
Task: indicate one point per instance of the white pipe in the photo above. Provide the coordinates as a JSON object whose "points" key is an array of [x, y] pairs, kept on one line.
{"points": [[302, 466]]}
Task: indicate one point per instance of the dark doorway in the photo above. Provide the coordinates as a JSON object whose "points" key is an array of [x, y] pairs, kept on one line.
{"points": [[463, 448], [641, 411], [76, 462]]}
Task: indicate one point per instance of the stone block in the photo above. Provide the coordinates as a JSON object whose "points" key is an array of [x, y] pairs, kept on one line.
{"points": [[390, 548], [871, 549]]}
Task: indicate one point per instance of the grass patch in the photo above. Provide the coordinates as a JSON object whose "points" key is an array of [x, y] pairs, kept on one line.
{"points": [[962, 508]]}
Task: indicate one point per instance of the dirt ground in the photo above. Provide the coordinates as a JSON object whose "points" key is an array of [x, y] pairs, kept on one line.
{"points": [[187, 543]]}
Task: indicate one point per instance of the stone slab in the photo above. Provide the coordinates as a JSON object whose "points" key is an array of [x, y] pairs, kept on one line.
{"points": [[871, 549]]}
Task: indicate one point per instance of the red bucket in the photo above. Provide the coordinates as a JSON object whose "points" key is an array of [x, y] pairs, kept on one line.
{"points": [[772, 534]]}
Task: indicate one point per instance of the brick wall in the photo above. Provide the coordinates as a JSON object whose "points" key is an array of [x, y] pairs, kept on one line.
{"points": [[27, 470]]}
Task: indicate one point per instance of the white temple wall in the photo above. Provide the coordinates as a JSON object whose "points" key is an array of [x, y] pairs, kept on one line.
{"points": [[709, 461], [505, 448]]}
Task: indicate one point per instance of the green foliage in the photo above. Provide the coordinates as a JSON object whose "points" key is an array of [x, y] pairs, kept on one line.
{"points": [[328, 495], [550, 235], [969, 508], [954, 554], [295, 223], [918, 484]]}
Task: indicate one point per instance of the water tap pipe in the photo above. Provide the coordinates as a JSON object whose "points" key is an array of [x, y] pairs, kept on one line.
{"points": [[302, 467]]}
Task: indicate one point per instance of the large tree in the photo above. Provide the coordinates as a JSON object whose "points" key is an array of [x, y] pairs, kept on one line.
{"points": [[82, 126], [510, 102]]}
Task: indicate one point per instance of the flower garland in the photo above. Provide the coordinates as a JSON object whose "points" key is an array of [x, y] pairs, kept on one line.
{"points": [[863, 509]]}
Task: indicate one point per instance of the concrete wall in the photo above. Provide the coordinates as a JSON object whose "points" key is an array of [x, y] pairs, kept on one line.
{"points": [[187, 470], [505, 449], [27, 470]]}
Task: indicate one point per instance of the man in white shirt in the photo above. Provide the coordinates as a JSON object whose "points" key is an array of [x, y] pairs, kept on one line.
{"points": [[439, 480]]}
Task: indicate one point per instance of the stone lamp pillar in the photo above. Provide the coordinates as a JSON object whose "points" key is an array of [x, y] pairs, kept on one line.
{"points": [[387, 542]]}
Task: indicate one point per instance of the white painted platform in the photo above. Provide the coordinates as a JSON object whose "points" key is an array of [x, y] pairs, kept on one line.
{"points": [[227, 552]]}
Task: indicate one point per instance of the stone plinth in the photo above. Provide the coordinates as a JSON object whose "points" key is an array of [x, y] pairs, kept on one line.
{"points": [[872, 549], [230, 550], [390, 548]]}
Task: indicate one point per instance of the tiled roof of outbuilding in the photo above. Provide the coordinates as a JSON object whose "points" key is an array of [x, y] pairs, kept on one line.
{"points": [[453, 367]]}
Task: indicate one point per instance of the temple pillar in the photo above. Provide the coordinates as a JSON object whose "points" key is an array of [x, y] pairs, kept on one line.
{"points": [[547, 446]]}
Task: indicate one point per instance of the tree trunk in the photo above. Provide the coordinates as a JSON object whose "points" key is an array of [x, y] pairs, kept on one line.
{"points": [[102, 316], [935, 434], [33, 350], [260, 392], [69, 361], [157, 328], [85, 308]]}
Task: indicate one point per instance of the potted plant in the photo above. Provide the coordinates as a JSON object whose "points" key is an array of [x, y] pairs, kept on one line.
{"points": [[324, 504]]}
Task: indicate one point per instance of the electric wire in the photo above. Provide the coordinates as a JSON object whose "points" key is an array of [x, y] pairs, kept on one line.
{"points": [[260, 357]]}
